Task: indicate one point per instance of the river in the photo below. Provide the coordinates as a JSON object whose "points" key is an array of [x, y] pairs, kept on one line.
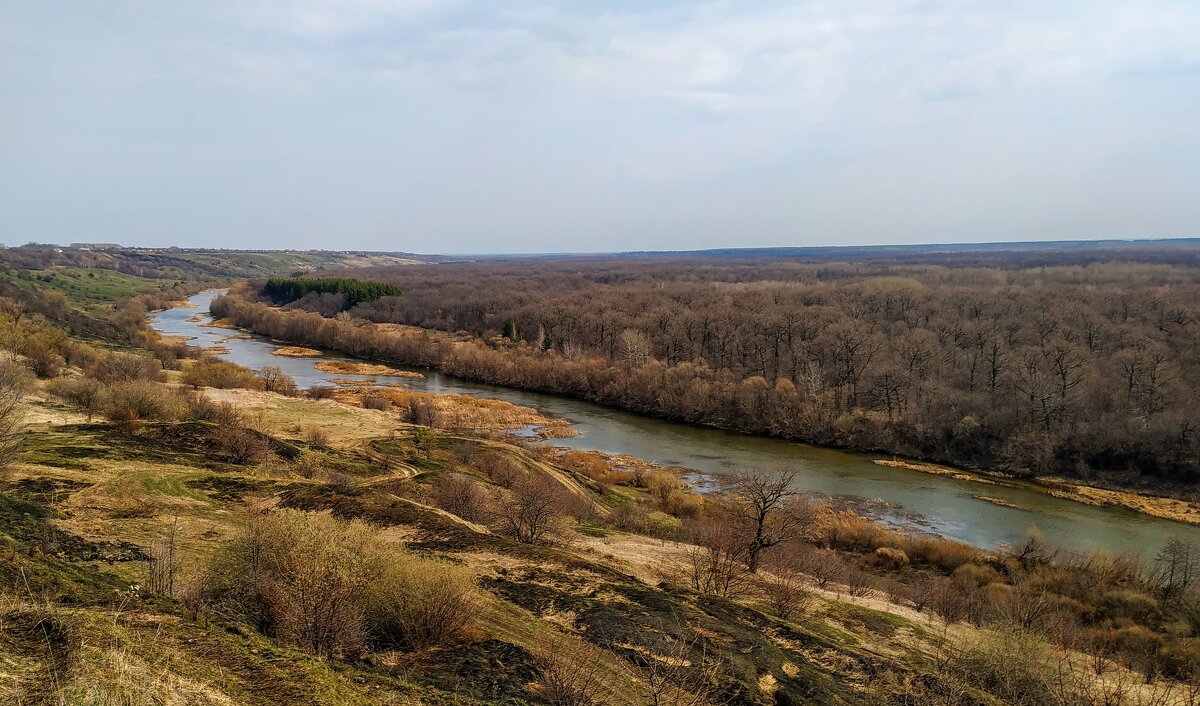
{"points": [[939, 504]]}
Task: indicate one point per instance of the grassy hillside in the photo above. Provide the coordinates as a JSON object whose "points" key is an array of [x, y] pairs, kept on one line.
{"points": [[88, 500], [92, 279]]}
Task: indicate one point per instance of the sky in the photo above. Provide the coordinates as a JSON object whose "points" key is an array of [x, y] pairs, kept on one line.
{"points": [[443, 126]]}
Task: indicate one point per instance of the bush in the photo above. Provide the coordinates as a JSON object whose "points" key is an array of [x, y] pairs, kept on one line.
{"points": [[221, 374], [420, 603], [334, 587], [131, 402], [533, 511], [240, 445], [586, 463], [127, 367], [88, 394], [889, 558], [460, 495], [14, 382], [301, 577], [319, 392], [1012, 665], [277, 381], [376, 401], [501, 469]]}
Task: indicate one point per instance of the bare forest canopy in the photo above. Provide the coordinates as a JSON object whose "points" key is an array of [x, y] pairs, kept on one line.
{"points": [[1085, 367]]}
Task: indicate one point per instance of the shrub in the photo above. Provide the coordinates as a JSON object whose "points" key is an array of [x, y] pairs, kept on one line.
{"points": [[221, 374], [240, 445], [569, 673], [333, 587], [1011, 665], [376, 401], [277, 381], [975, 575], [319, 392], [586, 463], [88, 394], [460, 495], [127, 367], [14, 382], [131, 402], [501, 468], [1128, 604], [44, 362], [532, 513], [889, 558], [787, 595], [298, 576], [420, 603]]}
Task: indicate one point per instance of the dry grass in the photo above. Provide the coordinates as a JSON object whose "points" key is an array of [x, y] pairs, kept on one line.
{"points": [[343, 424], [219, 323], [297, 352], [997, 501], [453, 411], [1165, 508], [345, 367], [937, 470]]}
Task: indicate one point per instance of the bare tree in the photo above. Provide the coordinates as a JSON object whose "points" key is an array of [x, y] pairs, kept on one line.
{"points": [[532, 512], [14, 381], [161, 564], [687, 673], [716, 561], [760, 502], [570, 673]]}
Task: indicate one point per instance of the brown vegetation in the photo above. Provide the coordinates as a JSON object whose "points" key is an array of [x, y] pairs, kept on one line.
{"points": [[1075, 370], [343, 367], [332, 586], [297, 352]]}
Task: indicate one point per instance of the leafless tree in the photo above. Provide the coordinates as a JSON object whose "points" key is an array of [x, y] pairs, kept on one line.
{"points": [[760, 501], [14, 381], [686, 673], [532, 512]]}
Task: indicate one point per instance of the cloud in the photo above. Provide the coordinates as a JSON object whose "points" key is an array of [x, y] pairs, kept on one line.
{"points": [[436, 124]]}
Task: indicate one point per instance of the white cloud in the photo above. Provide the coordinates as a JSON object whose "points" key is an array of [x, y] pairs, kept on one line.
{"points": [[667, 120]]}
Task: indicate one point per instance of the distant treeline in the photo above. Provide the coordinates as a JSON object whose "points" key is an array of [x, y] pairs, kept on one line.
{"points": [[289, 289]]}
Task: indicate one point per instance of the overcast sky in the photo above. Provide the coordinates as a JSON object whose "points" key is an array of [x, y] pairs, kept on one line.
{"points": [[521, 126]]}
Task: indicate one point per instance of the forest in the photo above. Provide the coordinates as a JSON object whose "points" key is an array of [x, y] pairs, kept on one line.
{"points": [[288, 289], [996, 362]]}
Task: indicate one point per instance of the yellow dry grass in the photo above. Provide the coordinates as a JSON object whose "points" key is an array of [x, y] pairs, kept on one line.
{"points": [[997, 501], [292, 416], [345, 367], [936, 469], [1165, 508], [1155, 506], [219, 323], [454, 411], [297, 352]]}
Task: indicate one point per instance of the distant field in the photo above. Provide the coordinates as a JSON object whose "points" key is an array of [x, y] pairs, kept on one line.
{"points": [[93, 279], [91, 291]]}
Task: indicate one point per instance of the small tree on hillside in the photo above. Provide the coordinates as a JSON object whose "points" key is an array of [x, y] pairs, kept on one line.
{"points": [[761, 504]]}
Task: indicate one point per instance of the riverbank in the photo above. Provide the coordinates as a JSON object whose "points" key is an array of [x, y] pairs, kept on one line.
{"points": [[946, 506], [1165, 508]]}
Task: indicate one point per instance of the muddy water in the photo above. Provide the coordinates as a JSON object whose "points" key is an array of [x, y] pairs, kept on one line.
{"points": [[939, 504]]}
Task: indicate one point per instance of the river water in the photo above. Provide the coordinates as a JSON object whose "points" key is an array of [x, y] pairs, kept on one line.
{"points": [[938, 504]]}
